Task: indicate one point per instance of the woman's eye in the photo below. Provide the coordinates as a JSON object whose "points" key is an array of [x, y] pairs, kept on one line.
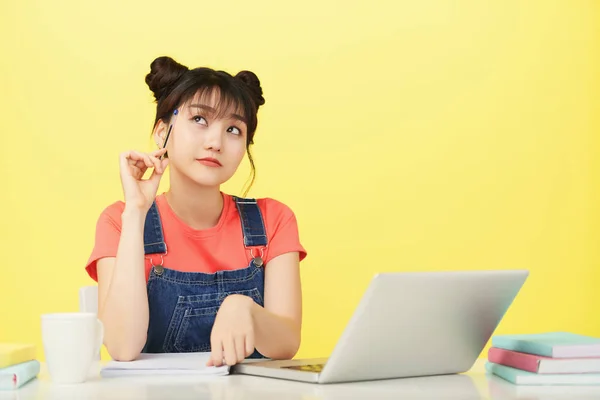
{"points": [[200, 120], [234, 130]]}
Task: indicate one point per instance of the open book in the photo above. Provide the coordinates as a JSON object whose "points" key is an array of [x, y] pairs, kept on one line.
{"points": [[164, 364]]}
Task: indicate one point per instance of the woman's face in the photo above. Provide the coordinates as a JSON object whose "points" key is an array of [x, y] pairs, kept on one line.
{"points": [[205, 144]]}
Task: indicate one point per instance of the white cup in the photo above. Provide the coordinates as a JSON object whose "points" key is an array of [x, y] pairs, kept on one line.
{"points": [[71, 342]]}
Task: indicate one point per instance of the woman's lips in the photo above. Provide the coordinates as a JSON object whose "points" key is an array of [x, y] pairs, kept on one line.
{"points": [[210, 162]]}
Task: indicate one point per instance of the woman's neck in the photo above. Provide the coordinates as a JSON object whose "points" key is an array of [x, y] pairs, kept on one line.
{"points": [[200, 207]]}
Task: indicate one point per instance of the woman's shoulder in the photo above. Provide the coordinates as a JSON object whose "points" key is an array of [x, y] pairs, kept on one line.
{"points": [[281, 226], [269, 206], [112, 213], [275, 213]]}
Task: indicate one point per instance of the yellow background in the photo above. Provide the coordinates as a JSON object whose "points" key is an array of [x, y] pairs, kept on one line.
{"points": [[412, 135]]}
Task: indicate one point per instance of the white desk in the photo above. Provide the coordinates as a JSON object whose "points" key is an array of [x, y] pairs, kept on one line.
{"points": [[473, 385]]}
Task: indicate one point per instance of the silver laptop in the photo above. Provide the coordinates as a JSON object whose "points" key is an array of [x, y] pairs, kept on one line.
{"points": [[409, 324]]}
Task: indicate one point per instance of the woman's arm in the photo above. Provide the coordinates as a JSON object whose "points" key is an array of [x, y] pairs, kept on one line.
{"points": [[242, 325], [277, 326], [122, 296]]}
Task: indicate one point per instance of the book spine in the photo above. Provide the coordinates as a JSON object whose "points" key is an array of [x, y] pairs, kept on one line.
{"points": [[8, 382], [501, 372], [513, 359], [19, 375]]}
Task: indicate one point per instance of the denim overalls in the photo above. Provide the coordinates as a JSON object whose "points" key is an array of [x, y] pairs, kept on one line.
{"points": [[183, 305]]}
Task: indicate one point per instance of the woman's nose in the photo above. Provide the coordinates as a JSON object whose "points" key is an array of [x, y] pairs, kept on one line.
{"points": [[213, 140]]}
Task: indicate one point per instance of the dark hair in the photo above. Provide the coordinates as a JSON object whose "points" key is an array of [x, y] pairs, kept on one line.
{"points": [[173, 84]]}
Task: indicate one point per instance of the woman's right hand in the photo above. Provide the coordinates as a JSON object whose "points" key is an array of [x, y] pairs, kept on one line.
{"points": [[139, 194]]}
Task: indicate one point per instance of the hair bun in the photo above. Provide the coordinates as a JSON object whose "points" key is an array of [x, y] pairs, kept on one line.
{"points": [[252, 82], [164, 72]]}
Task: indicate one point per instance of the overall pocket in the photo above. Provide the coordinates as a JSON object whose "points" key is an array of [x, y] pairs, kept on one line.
{"points": [[195, 319]]}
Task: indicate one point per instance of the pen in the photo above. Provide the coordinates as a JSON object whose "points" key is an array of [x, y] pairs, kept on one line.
{"points": [[173, 118]]}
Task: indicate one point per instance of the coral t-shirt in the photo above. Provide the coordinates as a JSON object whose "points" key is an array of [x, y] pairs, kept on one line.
{"points": [[208, 250]]}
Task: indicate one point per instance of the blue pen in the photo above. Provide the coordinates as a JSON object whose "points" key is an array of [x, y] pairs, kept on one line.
{"points": [[173, 118]]}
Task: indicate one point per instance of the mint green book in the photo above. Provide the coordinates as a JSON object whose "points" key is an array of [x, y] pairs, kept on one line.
{"points": [[550, 344], [17, 375], [521, 377]]}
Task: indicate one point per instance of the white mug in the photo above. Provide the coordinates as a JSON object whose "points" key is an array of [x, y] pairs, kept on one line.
{"points": [[71, 342]]}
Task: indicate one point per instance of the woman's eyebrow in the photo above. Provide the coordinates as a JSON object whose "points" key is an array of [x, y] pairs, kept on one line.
{"points": [[213, 111]]}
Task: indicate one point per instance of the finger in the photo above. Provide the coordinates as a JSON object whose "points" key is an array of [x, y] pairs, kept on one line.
{"points": [[216, 354], [141, 165], [155, 157], [123, 161], [229, 350], [147, 160], [132, 163], [240, 348], [249, 343], [159, 152], [130, 167], [159, 155], [136, 172], [139, 159], [134, 156], [156, 164], [155, 177], [137, 163], [210, 363]]}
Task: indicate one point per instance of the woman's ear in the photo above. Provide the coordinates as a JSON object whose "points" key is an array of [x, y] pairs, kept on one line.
{"points": [[160, 132]]}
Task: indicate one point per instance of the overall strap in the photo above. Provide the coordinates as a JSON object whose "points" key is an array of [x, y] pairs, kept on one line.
{"points": [[253, 226], [154, 241]]}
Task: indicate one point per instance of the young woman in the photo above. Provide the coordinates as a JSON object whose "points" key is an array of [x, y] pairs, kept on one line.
{"points": [[194, 268]]}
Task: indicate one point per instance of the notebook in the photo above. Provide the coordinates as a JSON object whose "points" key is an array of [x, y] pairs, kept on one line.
{"points": [[550, 344], [164, 364], [17, 375], [16, 353], [520, 377]]}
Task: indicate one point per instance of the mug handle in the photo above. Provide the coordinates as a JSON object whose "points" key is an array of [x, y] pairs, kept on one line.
{"points": [[100, 337]]}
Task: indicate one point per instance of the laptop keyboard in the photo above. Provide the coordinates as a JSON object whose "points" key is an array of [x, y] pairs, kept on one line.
{"points": [[308, 368]]}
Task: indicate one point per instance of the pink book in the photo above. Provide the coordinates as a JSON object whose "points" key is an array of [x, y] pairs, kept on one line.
{"points": [[542, 364]]}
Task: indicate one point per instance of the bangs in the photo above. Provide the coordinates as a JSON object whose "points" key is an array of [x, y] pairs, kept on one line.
{"points": [[224, 103]]}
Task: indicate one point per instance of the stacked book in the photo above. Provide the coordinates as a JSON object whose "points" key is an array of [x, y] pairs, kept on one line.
{"points": [[552, 358], [18, 365]]}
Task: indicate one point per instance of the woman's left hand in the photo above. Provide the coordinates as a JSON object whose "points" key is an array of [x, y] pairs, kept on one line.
{"points": [[232, 336]]}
